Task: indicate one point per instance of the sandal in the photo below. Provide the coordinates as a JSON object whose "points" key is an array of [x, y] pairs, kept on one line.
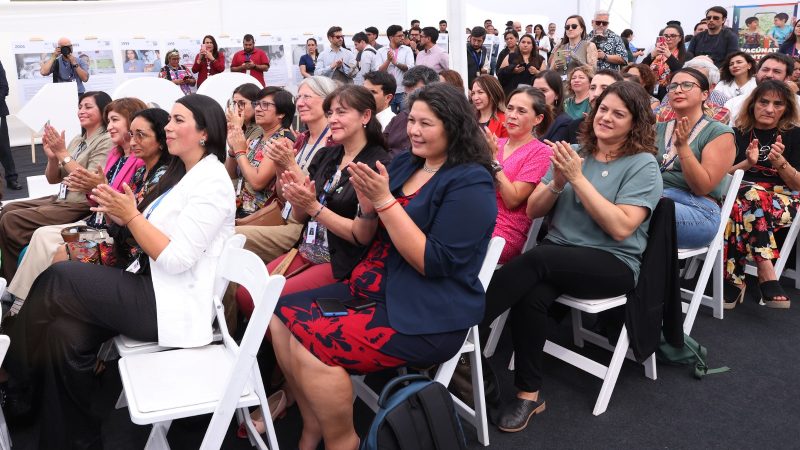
{"points": [[277, 409], [731, 290], [771, 291]]}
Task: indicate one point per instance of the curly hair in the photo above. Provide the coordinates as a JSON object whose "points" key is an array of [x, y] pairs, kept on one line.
{"points": [[725, 70], [746, 120], [465, 141], [642, 135], [646, 76]]}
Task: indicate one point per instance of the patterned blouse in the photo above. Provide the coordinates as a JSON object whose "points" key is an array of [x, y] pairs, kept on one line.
{"points": [[248, 199]]}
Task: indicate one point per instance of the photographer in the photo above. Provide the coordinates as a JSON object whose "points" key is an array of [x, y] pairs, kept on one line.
{"points": [[65, 66]]}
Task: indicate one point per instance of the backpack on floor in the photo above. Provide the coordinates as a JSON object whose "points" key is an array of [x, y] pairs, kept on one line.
{"points": [[419, 416], [692, 353]]}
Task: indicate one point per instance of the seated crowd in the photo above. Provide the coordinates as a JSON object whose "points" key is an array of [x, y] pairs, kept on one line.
{"points": [[389, 193]]}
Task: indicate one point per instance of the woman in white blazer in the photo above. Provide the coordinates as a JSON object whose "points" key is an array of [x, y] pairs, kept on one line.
{"points": [[163, 295]]}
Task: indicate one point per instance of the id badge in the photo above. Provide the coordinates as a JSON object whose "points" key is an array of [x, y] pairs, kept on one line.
{"points": [[311, 236], [134, 267], [99, 218], [239, 186], [287, 209], [62, 191]]}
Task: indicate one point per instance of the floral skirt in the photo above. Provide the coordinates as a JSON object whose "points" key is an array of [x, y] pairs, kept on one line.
{"points": [[760, 210]]}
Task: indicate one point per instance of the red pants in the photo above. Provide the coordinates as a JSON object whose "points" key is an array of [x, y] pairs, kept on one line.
{"points": [[316, 275]]}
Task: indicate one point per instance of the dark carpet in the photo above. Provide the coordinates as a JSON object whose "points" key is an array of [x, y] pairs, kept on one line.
{"points": [[754, 405]]}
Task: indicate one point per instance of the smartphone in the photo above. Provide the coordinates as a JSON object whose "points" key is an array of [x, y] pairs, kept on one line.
{"points": [[661, 40], [359, 303], [331, 307]]}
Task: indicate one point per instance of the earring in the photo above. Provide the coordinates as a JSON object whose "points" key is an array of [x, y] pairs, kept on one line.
{"points": [[364, 125], [202, 142]]}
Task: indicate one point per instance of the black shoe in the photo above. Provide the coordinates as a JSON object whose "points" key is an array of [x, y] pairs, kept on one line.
{"points": [[517, 413], [14, 185]]}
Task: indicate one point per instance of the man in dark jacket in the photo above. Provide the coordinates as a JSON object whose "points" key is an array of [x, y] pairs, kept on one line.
{"points": [[717, 41], [6, 158]]}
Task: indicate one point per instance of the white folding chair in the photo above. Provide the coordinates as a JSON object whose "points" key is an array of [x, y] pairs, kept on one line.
{"points": [[608, 374], [5, 342], [476, 416], [126, 346], [217, 378], [785, 251], [712, 260]]}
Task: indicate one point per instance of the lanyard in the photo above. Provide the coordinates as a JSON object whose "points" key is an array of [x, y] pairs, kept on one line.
{"points": [[478, 59], [665, 163], [81, 147], [114, 171], [155, 204], [310, 152]]}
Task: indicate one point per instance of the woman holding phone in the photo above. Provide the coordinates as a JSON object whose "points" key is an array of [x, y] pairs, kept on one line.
{"points": [[668, 56], [210, 60], [521, 65]]}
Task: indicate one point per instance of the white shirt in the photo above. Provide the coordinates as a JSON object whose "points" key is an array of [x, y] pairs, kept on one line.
{"points": [[369, 62], [405, 56], [733, 90], [384, 117], [197, 215], [328, 57]]}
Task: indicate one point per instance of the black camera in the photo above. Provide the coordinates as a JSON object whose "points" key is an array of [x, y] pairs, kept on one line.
{"points": [[66, 50]]}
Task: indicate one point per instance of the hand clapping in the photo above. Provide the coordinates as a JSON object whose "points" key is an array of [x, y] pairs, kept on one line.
{"points": [[776, 153], [301, 194], [54, 142], [368, 183], [280, 151], [119, 206], [567, 164], [82, 180]]}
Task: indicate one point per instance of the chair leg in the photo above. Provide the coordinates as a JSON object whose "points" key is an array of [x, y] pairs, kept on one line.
{"points": [[5, 436], [577, 328], [494, 335], [717, 280], [158, 436], [650, 367], [478, 394], [612, 373], [122, 401]]}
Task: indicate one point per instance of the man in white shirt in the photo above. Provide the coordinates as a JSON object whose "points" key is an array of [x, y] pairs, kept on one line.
{"points": [[772, 66], [396, 59], [430, 54], [336, 62], [382, 86], [366, 60]]}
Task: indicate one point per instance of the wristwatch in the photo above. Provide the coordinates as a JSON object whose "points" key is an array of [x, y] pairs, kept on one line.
{"points": [[74, 66], [496, 166], [66, 160]]}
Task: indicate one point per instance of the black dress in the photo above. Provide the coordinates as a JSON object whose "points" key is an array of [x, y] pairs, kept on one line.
{"points": [[510, 80]]}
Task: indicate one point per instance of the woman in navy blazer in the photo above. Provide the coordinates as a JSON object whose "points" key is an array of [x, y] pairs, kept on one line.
{"points": [[425, 225]]}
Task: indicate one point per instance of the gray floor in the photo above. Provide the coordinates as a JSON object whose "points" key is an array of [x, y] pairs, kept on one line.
{"points": [[753, 405]]}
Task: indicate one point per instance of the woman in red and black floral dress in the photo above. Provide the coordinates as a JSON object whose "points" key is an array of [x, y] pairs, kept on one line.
{"points": [[421, 270]]}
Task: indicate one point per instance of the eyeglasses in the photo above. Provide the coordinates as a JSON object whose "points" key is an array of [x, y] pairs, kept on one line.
{"points": [[264, 105], [571, 26], [684, 85], [306, 97], [713, 17], [241, 103], [138, 136], [671, 36], [601, 23], [338, 36]]}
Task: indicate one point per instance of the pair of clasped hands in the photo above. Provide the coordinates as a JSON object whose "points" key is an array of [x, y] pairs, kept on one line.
{"points": [[567, 164], [80, 179]]}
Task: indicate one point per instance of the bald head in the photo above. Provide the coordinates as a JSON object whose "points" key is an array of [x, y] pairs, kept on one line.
{"points": [[63, 42]]}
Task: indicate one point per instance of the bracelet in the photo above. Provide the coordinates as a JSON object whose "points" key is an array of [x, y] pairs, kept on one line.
{"points": [[360, 214], [131, 219], [384, 208], [241, 154], [378, 207], [554, 190], [318, 211], [783, 166]]}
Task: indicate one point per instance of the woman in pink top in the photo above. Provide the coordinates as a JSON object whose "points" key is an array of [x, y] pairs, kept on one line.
{"points": [[521, 161]]}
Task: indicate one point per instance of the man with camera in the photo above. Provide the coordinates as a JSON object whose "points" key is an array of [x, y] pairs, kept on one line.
{"points": [[65, 66], [252, 61], [611, 53]]}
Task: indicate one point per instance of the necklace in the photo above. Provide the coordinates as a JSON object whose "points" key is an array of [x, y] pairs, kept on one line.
{"points": [[427, 169]]}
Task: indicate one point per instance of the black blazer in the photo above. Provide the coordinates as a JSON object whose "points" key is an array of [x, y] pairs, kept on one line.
{"points": [[3, 91]]}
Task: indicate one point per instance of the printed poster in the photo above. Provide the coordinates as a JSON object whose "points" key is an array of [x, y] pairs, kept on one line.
{"points": [[140, 57], [760, 27]]}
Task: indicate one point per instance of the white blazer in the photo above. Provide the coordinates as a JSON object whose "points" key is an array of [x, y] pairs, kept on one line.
{"points": [[197, 215]]}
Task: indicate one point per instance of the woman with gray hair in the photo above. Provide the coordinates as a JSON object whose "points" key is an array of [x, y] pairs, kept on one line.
{"points": [[269, 242]]}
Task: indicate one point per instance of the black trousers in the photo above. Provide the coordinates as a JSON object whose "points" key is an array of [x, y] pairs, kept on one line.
{"points": [[71, 310], [6, 158], [530, 284]]}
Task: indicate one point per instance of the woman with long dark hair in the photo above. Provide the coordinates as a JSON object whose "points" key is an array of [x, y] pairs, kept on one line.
{"points": [[737, 76], [209, 61], [767, 134], [489, 103], [667, 56], [521, 65], [308, 62], [164, 295], [420, 270], [549, 83], [791, 46], [599, 197], [542, 40]]}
